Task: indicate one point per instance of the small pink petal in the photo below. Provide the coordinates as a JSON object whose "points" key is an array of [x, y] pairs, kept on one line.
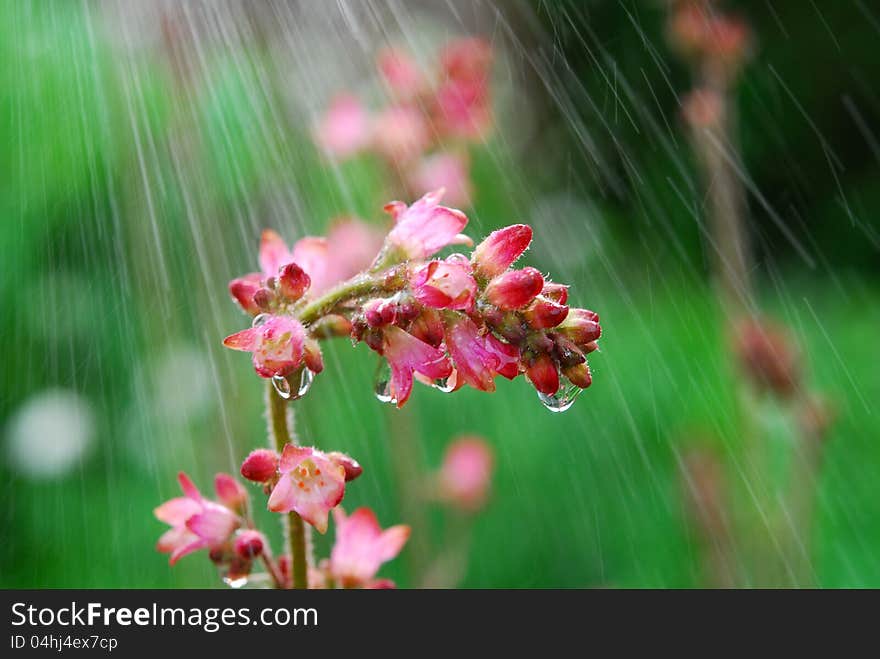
{"points": [[273, 253]]}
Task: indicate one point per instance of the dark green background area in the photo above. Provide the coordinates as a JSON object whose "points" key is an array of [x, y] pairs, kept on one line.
{"points": [[102, 272]]}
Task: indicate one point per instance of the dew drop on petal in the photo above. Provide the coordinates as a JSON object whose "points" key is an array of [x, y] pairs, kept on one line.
{"points": [[282, 386], [382, 384], [562, 400], [260, 319], [443, 384]]}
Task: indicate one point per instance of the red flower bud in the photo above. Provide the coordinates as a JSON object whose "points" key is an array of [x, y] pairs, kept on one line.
{"points": [[242, 291], [581, 326], [541, 371], [500, 249], [249, 544], [293, 282], [352, 468], [579, 374], [544, 313], [264, 299], [260, 466], [515, 289], [312, 356]]}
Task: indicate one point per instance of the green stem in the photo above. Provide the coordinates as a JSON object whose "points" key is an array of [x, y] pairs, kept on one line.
{"points": [[357, 287], [292, 525]]}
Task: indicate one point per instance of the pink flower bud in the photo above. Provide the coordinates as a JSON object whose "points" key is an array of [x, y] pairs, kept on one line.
{"points": [[260, 466], [581, 326], [543, 374], [500, 249], [352, 468], [264, 299], [229, 491], [515, 289], [579, 374], [293, 282], [249, 544], [444, 285], [556, 292], [242, 291], [312, 356], [544, 313]]}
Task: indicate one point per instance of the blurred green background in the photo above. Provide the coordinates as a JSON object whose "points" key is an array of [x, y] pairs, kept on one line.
{"points": [[141, 153]]}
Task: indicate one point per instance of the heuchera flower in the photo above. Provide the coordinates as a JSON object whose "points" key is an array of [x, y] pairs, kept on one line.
{"points": [[400, 133], [345, 129], [463, 104], [500, 249], [445, 284], [478, 357], [450, 171], [196, 523], [407, 354], [401, 73], [424, 228], [277, 345], [361, 547], [310, 484], [466, 473]]}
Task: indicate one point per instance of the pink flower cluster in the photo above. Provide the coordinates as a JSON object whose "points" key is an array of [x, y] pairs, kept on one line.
{"points": [[427, 111], [715, 41], [304, 480], [455, 321]]}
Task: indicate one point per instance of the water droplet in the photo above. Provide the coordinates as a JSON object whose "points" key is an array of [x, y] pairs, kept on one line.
{"points": [[260, 319], [235, 582], [282, 386], [305, 383], [563, 399], [443, 384], [382, 384]]}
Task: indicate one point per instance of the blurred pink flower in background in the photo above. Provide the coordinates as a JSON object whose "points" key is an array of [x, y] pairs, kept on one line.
{"points": [[401, 73], [361, 547], [400, 133], [450, 171], [345, 128], [465, 476]]}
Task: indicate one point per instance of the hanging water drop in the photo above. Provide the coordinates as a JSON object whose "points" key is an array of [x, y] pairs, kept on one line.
{"points": [[235, 582], [282, 386], [305, 383], [382, 384], [444, 385], [563, 399], [260, 319]]}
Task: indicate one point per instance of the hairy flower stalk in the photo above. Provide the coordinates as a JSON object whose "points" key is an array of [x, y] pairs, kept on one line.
{"points": [[295, 530]]}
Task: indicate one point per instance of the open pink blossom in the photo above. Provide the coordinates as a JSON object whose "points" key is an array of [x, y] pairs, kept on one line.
{"points": [[196, 523], [478, 357], [361, 547], [407, 354], [345, 128], [466, 473], [450, 171], [401, 72], [400, 133], [311, 484], [424, 228], [277, 345], [445, 284]]}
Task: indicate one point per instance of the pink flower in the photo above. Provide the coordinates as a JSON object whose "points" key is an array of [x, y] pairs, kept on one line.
{"points": [[401, 133], [311, 484], [345, 129], [277, 345], [424, 228], [401, 73], [443, 170], [362, 546], [445, 284], [230, 491], [467, 59], [196, 523], [466, 473], [406, 354], [463, 109], [500, 249], [478, 357], [515, 288]]}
